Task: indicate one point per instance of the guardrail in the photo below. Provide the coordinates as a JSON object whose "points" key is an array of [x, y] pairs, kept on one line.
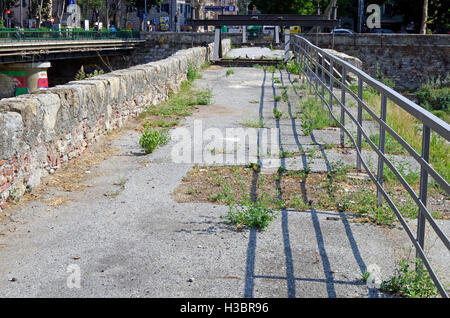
{"points": [[13, 35], [324, 70]]}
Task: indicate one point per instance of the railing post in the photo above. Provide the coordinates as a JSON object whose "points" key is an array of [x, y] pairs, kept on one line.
{"points": [[309, 68], [381, 148], [316, 78], [323, 79], [217, 40], [344, 76], [287, 45], [426, 136], [358, 130], [331, 90]]}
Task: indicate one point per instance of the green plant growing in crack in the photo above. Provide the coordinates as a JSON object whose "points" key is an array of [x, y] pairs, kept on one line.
{"points": [[151, 139], [411, 283], [285, 96], [259, 123], [277, 114], [252, 214]]}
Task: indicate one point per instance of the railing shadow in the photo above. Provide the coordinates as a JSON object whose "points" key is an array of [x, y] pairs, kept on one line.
{"points": [[290, 278]]}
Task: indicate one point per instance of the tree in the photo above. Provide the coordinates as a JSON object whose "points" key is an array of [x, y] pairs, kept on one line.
{"points": [[286, 6], [95, 6], [140, 5], [41, 9], [199, 9], [423, 22]]}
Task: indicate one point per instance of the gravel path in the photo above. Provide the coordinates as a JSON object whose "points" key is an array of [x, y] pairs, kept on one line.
{"points": [[141, 243]]}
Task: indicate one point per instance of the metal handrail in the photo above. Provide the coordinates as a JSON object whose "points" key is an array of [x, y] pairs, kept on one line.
{"points": [[65, 34], [312, 60]]}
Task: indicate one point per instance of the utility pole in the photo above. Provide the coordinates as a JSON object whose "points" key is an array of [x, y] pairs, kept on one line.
{"points": [[172, 12], [360, 15], [145, 14]]}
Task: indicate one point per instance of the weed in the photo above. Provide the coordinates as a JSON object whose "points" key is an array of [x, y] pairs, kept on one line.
{"points": [[286, 154], [192, 72], [306, 125], [151, 139], [181, 103], [255, 166], [365, 276], [277, 98], [298, 204], [229, 72], [409, 282], [253, 123], [277, 114], [314, 116], [161, 123]]}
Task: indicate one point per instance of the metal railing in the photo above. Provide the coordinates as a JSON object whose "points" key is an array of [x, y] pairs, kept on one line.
{"points": [[13, 35], [326, 71]]}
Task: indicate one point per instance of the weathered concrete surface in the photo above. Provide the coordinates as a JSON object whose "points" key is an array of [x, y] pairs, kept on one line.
{"points": [[44, 129], [144, 244], [255, 53]]}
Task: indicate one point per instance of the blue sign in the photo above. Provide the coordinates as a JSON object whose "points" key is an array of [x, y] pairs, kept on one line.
{"points": [[213, 8], [144, 16], [71, 2], [220, 8]]}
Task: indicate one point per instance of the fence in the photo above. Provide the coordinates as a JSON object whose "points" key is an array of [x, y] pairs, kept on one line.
{"points": [[11, 35], [326, 71]]}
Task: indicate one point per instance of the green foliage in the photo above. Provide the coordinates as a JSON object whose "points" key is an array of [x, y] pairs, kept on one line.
{"points": [[151, 139], [181, 103], [434, 96], [229, 72], [411, 283], [250, 214], [382, 78], [81, 74], [247, 213], [313, 116], [254, 123], [192, 72], [276, 113]]}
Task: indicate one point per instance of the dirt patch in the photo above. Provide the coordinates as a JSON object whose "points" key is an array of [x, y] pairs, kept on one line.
{"points": [[345, 191]]}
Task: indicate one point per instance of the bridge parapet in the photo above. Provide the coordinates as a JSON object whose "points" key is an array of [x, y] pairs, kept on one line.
{"points": [[42, 130]]}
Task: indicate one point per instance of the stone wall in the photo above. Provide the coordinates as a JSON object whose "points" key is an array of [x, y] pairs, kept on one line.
{"points": [[408, 59], [40, 131], [160, 45]]}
